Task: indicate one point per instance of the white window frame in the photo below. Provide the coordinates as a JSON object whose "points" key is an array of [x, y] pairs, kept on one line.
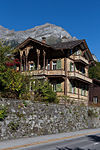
{"points": [[95, 99], [54, 65]]}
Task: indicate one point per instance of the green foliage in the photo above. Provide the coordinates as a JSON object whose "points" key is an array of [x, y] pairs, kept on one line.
{"points": [[94, 71], [58, 86], [5, 51], [58, 64], [15, 83], [12, 83], [43, 92], [3, 112]]}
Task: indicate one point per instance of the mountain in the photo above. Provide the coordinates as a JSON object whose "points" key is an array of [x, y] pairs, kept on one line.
{"points": [[51, 32]]}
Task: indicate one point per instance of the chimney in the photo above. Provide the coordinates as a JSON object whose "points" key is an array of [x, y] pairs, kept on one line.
{"points": [[44, 40], [64, 39]]}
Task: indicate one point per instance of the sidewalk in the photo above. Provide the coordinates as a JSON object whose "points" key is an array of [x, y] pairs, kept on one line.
{"points": [[24, 142]]}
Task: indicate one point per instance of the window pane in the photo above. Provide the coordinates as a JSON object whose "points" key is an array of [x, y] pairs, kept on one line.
{"points": [[54, 64], [95, 99]]}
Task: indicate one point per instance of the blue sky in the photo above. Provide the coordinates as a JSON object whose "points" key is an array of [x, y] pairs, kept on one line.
{"points": [[80, 18]]}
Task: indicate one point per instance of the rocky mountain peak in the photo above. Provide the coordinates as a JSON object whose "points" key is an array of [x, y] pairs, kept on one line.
{"points": [[51, 32]]}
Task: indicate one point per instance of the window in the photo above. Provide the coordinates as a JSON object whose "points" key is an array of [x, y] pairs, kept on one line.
{"points": [[95, 99], [54, 65], [54, 87], [84, 90], [48, 65], [71, 66], [71, 52], [57, 87], [31, 66], [78, 52], [83, 70], [72, 88]]}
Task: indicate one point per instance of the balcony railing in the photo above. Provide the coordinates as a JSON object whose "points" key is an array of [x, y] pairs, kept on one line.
{"points": [[79, 58], [45, 72], [76, 75]]}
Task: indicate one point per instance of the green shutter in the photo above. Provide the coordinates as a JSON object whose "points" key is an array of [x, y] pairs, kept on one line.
{"points": [[58, 86], [75, 90], [70, 88], [58, 64]]}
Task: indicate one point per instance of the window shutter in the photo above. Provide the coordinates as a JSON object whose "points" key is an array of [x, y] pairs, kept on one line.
{"points": [[75, 90], [58, 64], [70, 87], [59, 89]]}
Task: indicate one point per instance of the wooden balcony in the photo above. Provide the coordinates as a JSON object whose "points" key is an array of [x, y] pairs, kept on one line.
{"points": [[81, 59], [59, 72], [78, 76]]}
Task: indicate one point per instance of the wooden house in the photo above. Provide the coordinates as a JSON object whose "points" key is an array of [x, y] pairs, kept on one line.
{"points": [[65, 65]]}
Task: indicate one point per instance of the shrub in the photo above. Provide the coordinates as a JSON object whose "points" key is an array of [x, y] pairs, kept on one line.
{"points": [[3, 112], [43, 92]]}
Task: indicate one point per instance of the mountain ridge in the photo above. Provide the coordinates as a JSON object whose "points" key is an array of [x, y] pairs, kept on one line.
{"points": [[53, 34]]}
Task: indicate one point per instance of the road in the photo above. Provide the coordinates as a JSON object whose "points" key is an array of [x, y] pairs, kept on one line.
{"points": [[88, 139], [91, 142]]}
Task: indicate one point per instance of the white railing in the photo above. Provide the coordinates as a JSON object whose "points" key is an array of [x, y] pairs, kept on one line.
{"points": [[45, 72]]}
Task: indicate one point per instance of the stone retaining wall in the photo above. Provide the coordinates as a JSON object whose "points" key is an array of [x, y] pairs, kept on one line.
{"points": [[26, 118]]}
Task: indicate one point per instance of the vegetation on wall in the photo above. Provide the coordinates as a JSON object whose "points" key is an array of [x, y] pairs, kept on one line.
{"points": [[3, 112]]}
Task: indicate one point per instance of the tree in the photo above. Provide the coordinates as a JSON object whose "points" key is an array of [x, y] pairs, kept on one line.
{"points": [[94, 71], [43, 92], [5, 51], [14, 83], [11, 81]]}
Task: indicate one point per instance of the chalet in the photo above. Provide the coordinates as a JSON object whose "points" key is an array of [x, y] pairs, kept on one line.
{"points": [[65, 65]]}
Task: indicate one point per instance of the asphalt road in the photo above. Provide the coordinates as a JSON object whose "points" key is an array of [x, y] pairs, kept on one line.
{"points": [[90, 142], [88, 139]]}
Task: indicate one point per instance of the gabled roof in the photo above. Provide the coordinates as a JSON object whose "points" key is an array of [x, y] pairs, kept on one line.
{"points": [[59, 46], [23, 44], [67, 45], [73, 44]]}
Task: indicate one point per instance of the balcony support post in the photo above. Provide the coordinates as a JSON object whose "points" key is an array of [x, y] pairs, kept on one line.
{"points": [[78, 90], [38, 56], [21, 53], [47, 63], [26, 57], [20, 63], [44, 60], [24, 62]]}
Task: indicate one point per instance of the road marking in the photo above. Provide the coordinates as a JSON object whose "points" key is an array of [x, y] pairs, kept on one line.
{"points": [[47, 141]]}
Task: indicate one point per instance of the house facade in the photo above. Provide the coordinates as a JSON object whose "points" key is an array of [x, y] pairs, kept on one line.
{"points": [[94, 92], [65, 65]]}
